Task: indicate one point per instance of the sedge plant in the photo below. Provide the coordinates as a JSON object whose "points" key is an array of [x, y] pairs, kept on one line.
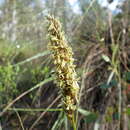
{"points": [[64, 68]]}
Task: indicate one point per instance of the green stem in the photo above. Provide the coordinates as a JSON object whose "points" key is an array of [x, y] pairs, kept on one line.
{"points": [[33, 109], [74, 123]]}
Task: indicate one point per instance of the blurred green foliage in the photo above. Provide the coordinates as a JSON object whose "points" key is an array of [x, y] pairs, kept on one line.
{"points": [[15, 79], [8, 84]]}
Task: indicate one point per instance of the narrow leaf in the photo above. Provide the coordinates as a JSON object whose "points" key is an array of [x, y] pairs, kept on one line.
{"points": [[83, 112], [106, 58]]}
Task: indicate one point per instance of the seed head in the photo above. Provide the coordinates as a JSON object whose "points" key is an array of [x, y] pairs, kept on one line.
{"points": [[64, 63]]}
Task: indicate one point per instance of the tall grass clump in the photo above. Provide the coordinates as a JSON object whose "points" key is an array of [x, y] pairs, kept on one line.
{"points": [[65, 69]]}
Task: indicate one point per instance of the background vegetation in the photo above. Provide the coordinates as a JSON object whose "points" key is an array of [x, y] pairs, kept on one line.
{"points": [[100, 39]]}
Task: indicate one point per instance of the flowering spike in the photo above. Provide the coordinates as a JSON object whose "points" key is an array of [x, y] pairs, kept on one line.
{"points": [[65, 69]]}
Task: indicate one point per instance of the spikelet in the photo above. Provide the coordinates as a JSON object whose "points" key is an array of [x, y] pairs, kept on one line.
{"points": [[65, 69]]}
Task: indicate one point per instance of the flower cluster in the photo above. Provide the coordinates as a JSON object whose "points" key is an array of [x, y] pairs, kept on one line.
{"points": [[65, 69]]}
